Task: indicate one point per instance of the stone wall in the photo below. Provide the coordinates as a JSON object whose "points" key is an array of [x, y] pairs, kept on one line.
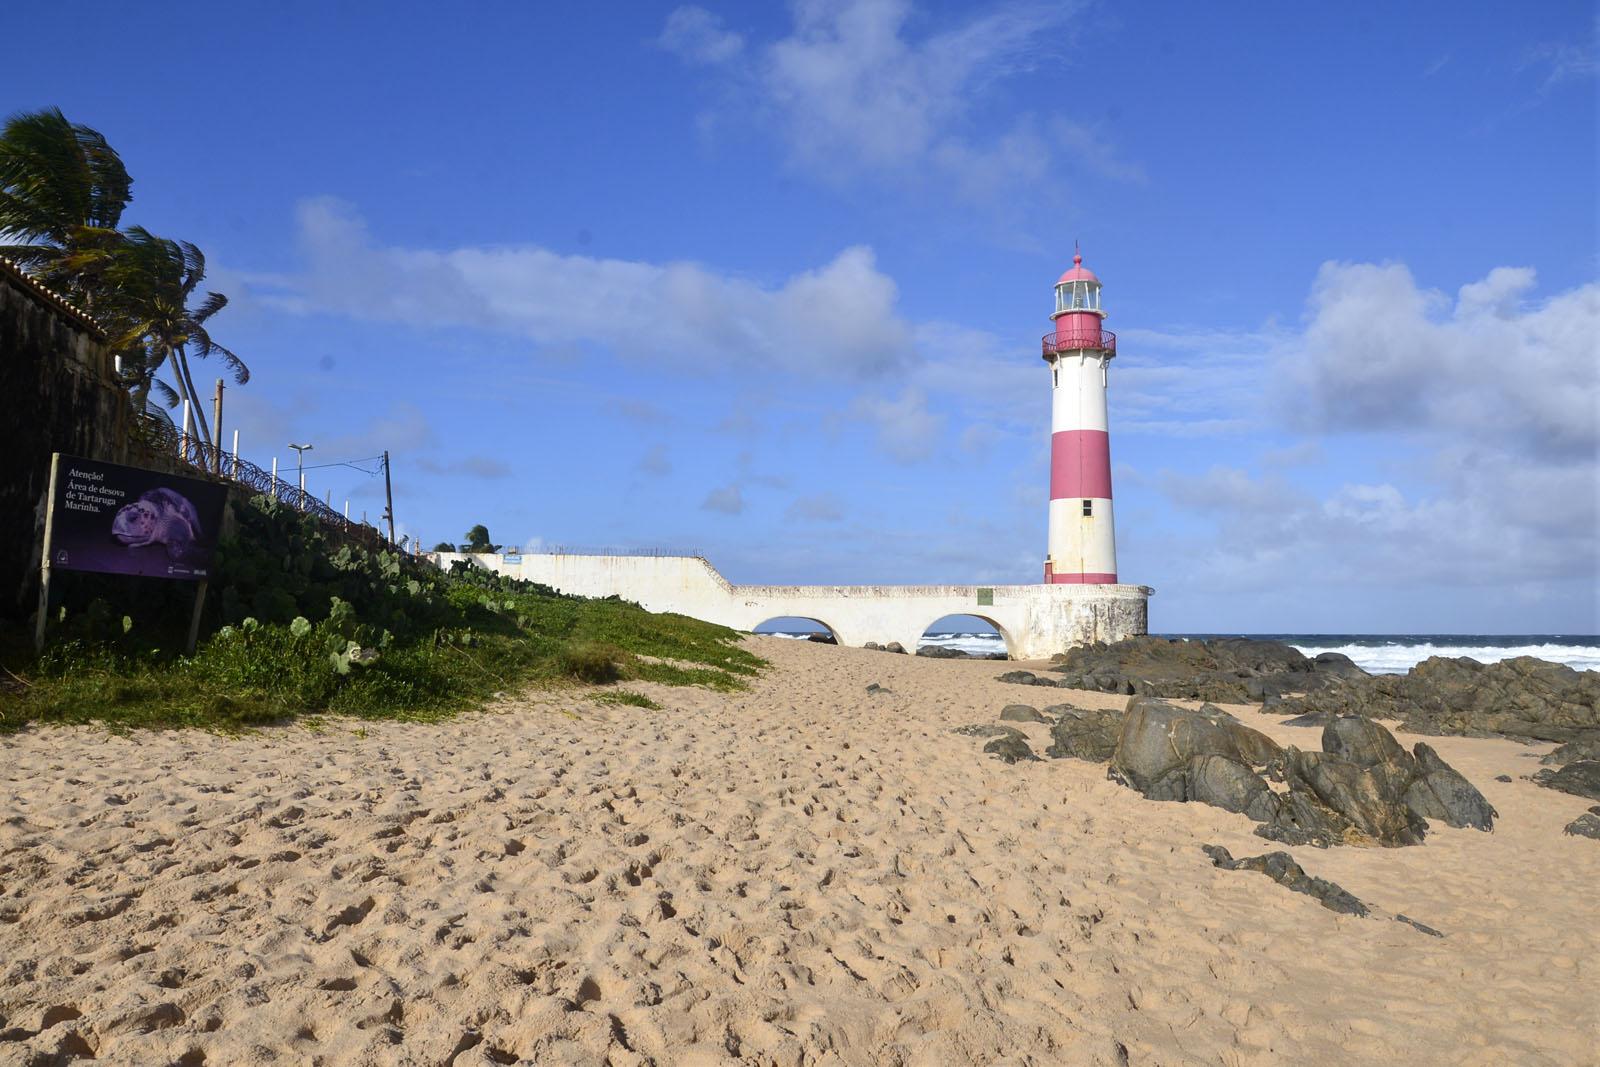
{"points": [[60, 396]]}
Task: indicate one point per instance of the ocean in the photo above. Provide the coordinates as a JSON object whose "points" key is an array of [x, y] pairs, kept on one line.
{"points": [[1377, 653]]}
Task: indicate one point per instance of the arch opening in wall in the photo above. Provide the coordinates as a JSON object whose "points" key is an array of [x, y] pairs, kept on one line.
{"points": [[799, 629], [965, 637]]}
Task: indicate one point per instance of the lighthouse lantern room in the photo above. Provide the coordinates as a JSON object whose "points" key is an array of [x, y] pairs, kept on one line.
{"points": [[1082, 548]]}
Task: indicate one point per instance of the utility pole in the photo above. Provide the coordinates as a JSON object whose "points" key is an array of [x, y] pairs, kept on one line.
{"points": [[216, 423], [388, 496]]}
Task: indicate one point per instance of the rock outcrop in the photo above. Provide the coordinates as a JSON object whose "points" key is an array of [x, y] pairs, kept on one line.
{"points": [[1010, 749], [1362, 786], [1524, 698], [1229, 670], [1281, 868], [1585, 825], [1161, 742], [1581, 778], [1085, 735], [1022, 713]]}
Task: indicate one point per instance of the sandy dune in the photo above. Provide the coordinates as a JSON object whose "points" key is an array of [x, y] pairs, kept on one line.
{"points": [[799, 874]]}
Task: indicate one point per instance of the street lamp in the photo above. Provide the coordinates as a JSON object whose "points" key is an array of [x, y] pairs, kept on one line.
{"points": [[300, 465]]}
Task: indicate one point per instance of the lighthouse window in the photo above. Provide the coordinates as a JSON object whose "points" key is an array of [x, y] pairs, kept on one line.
{"points": [[1088, 507]]}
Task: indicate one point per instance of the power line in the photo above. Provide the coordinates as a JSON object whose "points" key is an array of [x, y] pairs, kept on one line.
{"points": [[351, 463]]}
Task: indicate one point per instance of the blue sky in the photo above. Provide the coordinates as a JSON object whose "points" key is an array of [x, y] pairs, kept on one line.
{"points": [[767, 281]]}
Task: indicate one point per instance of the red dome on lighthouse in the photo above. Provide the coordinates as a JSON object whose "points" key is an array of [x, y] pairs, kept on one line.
{"points": [[1078, 273]]}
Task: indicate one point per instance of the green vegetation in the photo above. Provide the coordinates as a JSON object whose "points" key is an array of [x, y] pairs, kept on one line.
{"points": [[478, 540], [626, 696], [309, 629]]}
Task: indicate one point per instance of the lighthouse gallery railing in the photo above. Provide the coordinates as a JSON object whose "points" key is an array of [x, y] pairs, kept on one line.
{"points": [[1078, 340]]}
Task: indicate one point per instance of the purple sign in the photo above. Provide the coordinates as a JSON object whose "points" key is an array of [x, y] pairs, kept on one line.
{"points": [[127, 520]]}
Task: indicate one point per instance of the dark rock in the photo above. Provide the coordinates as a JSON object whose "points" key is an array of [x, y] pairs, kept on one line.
{"points": [[1502, 778], [1585, 825], [1430, 931], [1021, 713], [1255, 747], [1371, 798], [1523, 698], [822, 639], [1581, 778], [1230, 785], [1310, 718], [1583, 748], [1361, 741], [873, 646], [1365, 786], [874, 689], [1231, 670], [1301, 820], [895, 647], [1010, 749], [941, 652], [1440, 792], [1026, 678], [1158, 739], [1085, 735], [1281, 868], [987, 729], [1337, 665]]}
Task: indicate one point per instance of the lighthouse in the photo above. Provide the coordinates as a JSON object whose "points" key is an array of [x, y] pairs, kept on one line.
{"points": [[1082, 545]]}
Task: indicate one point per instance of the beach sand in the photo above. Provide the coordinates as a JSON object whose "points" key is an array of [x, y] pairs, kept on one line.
{"points": [[798, 874]]}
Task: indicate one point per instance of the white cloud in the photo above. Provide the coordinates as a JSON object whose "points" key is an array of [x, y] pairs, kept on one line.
{"points": [[655, 462], [1481, 412], [1562, 62], [817, 507], [728, 500], [837, 320], [470, 466], [906, 429], [1380, 353], [698, 36], [855, 90]]}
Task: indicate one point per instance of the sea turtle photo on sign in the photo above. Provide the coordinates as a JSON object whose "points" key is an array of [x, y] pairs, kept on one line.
{"points": [[112, 519]]}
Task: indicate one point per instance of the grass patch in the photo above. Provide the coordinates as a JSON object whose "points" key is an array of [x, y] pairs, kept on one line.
{"points": [[628, 697]]}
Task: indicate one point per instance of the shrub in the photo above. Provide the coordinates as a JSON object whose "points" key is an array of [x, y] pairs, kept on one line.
{"points": [[593, 663]]}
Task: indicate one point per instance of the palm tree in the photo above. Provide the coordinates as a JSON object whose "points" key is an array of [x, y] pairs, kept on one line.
{"points": [[478, 540], [149, 282], [62, 192]]}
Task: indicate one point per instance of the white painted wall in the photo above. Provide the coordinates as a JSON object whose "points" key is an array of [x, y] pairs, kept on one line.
{"points": [[1078, 392], [1036, 621]]}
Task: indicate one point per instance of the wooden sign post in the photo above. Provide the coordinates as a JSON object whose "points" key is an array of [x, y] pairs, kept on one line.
{"points": [[44, 560]]}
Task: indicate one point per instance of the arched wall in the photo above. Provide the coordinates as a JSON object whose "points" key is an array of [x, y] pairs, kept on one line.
{"points": [[1036, 621], [1005, 634], [805, 618]]}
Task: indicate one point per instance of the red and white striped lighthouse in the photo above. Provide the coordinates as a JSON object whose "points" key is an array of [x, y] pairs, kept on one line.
{"points": [[1082, 547]]}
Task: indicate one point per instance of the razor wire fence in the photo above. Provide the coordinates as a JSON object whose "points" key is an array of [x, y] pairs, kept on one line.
{"points": [[163, 439]]}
